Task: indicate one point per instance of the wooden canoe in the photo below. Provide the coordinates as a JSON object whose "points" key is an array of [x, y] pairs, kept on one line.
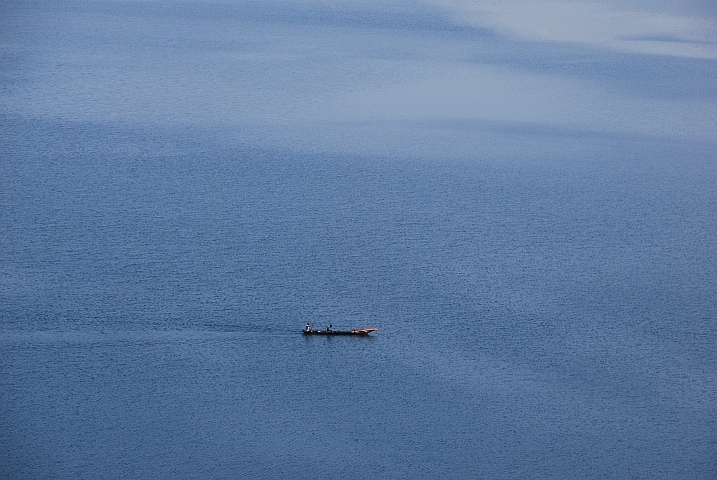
{"points": [[356, 331]]}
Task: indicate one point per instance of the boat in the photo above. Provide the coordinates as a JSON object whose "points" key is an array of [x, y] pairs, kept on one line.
{"points": [[355, 331]]}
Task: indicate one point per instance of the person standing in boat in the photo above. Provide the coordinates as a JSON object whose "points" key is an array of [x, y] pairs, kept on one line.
{"points": [[329, 328], [308, 327]]}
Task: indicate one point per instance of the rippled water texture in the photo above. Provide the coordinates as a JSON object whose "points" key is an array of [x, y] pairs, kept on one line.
{"points": [[184, 187]]}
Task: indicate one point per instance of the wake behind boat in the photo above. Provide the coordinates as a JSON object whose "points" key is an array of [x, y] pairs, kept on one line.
{"points": [[329, 331]]}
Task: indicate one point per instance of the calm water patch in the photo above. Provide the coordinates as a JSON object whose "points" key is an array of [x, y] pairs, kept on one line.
{"points": [[535, 320], [529, 224]]}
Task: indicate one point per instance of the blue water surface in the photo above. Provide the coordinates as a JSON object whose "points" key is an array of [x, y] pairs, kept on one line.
{"points": [[544, 293]]}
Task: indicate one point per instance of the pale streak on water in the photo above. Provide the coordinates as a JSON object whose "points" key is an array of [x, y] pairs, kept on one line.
{"points": [[185, 185]]}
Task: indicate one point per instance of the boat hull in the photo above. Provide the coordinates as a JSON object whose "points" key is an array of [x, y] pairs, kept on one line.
{"points": [[359, 331]]}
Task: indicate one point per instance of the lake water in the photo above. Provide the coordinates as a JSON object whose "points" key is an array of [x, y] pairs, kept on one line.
{"points": [[545, 294]]}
